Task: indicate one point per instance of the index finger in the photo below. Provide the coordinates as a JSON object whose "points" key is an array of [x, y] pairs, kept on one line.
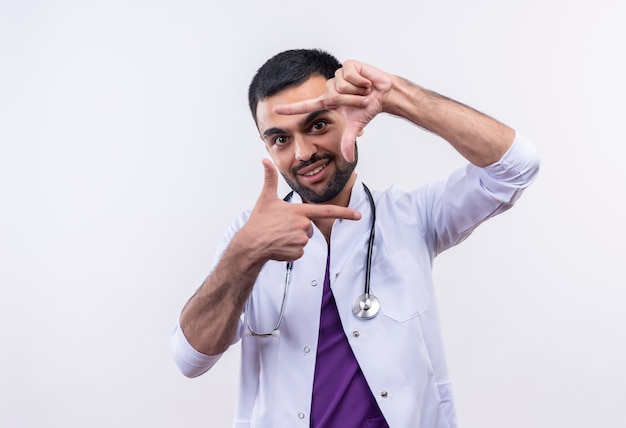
{"points": [[301, 107], [324, 211]]}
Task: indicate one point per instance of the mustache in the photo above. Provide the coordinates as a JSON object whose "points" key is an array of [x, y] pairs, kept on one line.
{"points": [[311, 161]]}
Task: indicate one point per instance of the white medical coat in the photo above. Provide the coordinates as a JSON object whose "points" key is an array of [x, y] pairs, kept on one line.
{"points": [[400, 351]]}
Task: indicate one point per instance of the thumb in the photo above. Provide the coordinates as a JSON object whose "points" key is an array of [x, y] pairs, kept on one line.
{"points": [[270, 180], [348, 140]]}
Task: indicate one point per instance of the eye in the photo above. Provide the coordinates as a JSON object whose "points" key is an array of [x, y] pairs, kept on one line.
{"points": [[319, 125], [280, 140]]}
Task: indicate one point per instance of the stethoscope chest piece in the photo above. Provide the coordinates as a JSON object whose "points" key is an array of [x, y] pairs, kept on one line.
{"points": [[366, 306]]}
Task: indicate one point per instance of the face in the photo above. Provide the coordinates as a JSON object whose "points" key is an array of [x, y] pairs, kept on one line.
{"points": [[306, 148]]}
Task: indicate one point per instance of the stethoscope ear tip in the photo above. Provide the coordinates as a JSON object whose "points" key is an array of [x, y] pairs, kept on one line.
{"points": [[276, 333]]}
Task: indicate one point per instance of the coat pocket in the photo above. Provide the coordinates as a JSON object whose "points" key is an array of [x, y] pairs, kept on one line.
{"points": [[402, 287]]}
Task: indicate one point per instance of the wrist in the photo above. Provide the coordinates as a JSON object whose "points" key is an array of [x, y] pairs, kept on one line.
{"points": [[403, 98], [248, 253]]}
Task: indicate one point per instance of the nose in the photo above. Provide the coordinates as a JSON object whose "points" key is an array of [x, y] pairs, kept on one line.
{"points": [[304, 148]]}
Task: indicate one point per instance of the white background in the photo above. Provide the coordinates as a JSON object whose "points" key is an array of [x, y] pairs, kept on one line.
{"points": [[127, 149]]}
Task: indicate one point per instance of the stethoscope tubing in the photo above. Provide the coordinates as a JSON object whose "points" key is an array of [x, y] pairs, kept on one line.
{"points": [[365, 306]]}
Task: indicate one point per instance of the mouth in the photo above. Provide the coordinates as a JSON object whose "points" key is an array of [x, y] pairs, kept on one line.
{"points": [[315, 171]]}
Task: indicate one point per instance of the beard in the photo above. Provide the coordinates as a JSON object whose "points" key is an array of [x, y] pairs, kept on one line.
{"points": [[333, 186]]}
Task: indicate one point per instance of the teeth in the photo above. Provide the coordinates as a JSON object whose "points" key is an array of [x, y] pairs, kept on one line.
{"points": [[315, 171]]}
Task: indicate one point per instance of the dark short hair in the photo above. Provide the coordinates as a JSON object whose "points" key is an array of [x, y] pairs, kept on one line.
{"points": [[287, 69]]}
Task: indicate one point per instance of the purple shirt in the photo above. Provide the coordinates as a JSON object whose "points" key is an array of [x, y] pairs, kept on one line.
{"points": [[341, 395]]}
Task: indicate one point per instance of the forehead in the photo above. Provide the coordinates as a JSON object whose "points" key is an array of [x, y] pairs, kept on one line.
{"points": [[266, 118]]}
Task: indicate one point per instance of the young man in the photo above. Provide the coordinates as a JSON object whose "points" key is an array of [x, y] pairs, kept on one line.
{"points": [[340, 328]]}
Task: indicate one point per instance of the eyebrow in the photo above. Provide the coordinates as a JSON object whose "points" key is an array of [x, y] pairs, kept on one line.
{"points": [[309, 118]]}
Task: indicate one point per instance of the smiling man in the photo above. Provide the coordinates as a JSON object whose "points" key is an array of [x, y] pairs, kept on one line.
{"points": [[330, 289], [314, 172]]}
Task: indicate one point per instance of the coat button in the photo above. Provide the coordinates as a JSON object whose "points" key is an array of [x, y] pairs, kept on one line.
{"points": [[356, 333], [383, 394], [314, 283], [301, 415], [307, 349]]}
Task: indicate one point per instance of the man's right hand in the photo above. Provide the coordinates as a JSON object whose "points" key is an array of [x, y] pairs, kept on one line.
{"points": [[278, 230]]}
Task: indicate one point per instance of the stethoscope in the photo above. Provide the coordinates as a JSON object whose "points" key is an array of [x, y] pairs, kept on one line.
{"points": [[366, 306]]}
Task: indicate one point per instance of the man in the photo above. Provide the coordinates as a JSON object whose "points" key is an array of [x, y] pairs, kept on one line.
{"points": [[348, 334]]}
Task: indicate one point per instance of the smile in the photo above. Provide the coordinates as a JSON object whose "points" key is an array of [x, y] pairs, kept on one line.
{"points": [[315, 171], [315, 167]]}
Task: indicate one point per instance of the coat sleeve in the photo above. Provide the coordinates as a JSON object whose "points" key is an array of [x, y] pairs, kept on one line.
{"points": [[473, 194], [190, 362]]}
